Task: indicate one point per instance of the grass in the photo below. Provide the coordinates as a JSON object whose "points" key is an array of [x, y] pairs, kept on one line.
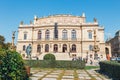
{"points": [[91, 67], [75, 75], [86, 68]]}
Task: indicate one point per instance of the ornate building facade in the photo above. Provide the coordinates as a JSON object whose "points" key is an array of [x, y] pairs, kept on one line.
{"points": [[65, 36]]}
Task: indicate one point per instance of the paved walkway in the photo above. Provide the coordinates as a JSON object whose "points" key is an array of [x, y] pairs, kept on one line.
{"points": [[55, 74]]}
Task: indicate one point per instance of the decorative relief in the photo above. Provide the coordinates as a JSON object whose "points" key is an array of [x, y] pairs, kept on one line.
{"points": [[62, 20]]}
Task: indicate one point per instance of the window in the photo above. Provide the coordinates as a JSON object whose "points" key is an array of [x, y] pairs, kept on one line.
{"points": [[64, 47], [38, 48], [73, 48], [64, 34], [90, 35], [25, 36], [90, 47], [73, 34], [47, 34], [24, 47], [39, 34], [46, 48], [55, 48]]}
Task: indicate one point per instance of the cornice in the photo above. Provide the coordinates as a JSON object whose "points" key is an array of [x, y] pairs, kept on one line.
{"points": [[38, 26]]}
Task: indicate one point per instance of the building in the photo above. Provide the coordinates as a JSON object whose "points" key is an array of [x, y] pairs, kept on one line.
{"points": [[115, 44], [65, 36]]}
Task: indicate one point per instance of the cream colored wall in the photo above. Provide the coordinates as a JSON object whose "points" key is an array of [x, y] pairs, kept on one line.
{"points": [[21, 34], [50, 26], [101, 35], [69, 29]]}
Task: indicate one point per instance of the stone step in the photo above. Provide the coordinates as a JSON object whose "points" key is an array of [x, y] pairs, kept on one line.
{"points": [[58, 56]]}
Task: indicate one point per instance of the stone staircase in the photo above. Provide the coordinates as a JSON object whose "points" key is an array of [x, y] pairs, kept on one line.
{"points": [[58, 56]]}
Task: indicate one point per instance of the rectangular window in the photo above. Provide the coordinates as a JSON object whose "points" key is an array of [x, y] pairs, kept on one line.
{"points": [[73, 37], [65, 36], [90, 47], [90, 35], [47, 37], [25, 36]]}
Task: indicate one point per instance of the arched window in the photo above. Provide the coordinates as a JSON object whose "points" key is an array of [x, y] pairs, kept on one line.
{"points": [[47, 34], [55, 48], [46, 48], [73, 34], [38, 48], [24, 47], [64, 34], [90, 35], [73, 48], [39, 34], [64, 47], [90, 47]]}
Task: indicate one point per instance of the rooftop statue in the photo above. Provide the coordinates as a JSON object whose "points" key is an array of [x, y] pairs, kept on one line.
{"points": [[13, 33], [95, 20]]}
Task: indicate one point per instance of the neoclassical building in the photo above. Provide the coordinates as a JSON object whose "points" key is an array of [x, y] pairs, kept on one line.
{"points": [[65, 36]]}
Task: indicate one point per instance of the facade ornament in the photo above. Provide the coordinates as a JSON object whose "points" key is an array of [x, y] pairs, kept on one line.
{"points": [[30, 22], [95, 20], [35, 18], [83, 14], [21, 23]]}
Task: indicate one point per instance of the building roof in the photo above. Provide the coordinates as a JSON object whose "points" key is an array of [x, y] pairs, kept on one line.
{"points": [[61, 19], [117, 33]]}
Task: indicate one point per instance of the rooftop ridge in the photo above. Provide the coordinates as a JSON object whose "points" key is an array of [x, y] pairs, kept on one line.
{"points": [[59, 15]]}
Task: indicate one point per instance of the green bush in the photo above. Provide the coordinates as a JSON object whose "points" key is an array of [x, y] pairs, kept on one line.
{"points": [[49, 60], [12, 66], [110, 68], [57, 64], [49, 57]]}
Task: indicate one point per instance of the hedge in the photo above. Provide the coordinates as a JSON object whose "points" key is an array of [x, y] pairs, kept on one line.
{"points": [[110, 68], [56, 64]]}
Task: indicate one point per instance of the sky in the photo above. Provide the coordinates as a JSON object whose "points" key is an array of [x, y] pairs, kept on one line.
{"points": [[12, 12]]}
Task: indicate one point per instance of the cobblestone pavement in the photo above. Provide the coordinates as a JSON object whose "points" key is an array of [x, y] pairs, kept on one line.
{"points": [[55, 74]]}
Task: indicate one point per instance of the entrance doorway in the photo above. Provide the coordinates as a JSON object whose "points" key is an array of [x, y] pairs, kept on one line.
{"points": [[46, 48], [64, 48], [73, 48], [55, 48]]}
